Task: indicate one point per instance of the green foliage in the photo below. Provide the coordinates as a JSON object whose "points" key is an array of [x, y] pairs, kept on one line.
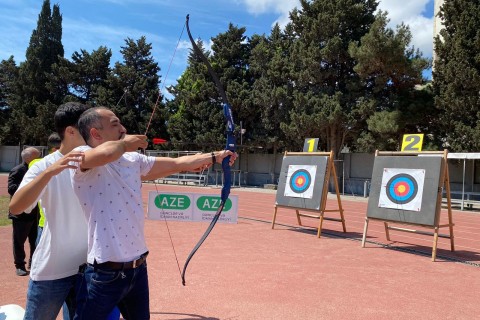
{"points": [[33, 97], [325, 86], [136, 79], [457, 75], [8, 74], [389, 70], [4, 220], [85, 75], [336, 72], [271, 89], [196, 118]]}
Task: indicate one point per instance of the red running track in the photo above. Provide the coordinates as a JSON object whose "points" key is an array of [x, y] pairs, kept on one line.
{"points": [[249, 271]]}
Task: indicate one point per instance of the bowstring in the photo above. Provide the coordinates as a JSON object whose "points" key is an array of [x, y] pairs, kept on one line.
{"points": [[164, 81], [146, 130]]}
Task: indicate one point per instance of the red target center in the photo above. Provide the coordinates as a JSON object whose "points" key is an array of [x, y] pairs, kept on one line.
{"points": [[401, 189], [300, 182]]}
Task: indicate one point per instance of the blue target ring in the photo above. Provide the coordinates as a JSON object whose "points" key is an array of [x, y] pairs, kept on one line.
{"points": [[402, 188], [300, 181]]}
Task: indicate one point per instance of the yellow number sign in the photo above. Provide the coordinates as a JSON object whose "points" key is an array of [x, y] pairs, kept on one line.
{"points": [[412, 142], [310, 145]]}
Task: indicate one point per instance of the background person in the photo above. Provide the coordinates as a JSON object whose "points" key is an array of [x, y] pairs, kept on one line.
{"points": [[53, 142], [24, 224]]}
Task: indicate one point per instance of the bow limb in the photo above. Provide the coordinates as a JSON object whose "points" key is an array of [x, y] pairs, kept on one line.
{"points": [[230, 145]]}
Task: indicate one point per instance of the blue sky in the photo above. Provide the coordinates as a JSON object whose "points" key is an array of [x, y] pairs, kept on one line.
{"points": [[88, 24]]}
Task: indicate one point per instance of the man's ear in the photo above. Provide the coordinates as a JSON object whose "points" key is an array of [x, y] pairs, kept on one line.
{"points": [[95, 134], [70, 131]]}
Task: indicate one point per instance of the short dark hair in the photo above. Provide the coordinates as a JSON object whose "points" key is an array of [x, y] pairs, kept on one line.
{"points": [[90, 119], [54, 140], [67, 116]]}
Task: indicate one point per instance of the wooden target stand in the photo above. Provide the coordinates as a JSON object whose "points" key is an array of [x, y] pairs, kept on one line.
{"points": [[445, 183], [330, 173]]}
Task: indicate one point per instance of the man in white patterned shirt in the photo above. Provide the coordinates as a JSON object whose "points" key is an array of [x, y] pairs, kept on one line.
{"points": [[108, 185]]}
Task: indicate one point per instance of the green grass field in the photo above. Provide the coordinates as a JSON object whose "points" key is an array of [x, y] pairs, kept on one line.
{"points": [[4, 221]]}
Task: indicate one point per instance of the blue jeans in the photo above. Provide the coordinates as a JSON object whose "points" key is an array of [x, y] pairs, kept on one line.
{"points": [[103, 289], [44, 298]]}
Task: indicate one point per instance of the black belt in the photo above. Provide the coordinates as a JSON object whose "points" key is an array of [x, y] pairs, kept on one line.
{"points": [[122, 265]]}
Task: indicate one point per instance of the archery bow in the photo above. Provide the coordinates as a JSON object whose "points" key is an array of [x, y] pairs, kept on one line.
{"points": [[230, 145]]}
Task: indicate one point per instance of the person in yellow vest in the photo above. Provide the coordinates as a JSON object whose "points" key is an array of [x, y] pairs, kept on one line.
{"points": [[41, 221]]}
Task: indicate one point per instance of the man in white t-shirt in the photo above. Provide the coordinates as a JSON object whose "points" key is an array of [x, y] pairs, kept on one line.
{"points": [[108, 184], [63, 245]]}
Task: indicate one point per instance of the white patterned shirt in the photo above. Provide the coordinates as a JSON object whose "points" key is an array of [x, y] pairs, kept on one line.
{"points": [[111, 199]]}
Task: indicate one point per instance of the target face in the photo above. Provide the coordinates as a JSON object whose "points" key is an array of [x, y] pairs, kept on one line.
{"points": [[402, 189], [300, 180]]}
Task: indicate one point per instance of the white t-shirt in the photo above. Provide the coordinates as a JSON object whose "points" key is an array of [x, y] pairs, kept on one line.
{"points": [[63, 245], [111, 200]]}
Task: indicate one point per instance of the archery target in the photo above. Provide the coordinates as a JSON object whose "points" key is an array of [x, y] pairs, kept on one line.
{"points": [[402, 189], [300, 180]]}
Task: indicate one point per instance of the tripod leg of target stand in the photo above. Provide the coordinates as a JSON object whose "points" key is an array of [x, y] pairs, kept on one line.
{"points": [[274, 217], [319, 232], [435, 241], [298, 217], [387, 232], [365, 228]]}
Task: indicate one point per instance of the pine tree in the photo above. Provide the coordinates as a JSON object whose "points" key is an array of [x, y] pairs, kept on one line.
{"points": [[35, 101], [389, 70], [134, 85], [85, 76], [326, 88], [8, 76], [196, 120], [456, 75], [271, 90]]}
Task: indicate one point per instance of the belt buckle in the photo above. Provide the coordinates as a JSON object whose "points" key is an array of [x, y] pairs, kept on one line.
{"points": [[137, 263]]}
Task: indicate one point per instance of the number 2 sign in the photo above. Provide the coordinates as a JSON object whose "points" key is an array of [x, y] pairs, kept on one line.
{"points": [[412, 142]]}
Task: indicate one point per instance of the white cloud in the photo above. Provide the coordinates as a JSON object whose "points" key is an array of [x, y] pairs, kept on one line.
{"points": [[281, 7], [402, 10], [412, 12]]}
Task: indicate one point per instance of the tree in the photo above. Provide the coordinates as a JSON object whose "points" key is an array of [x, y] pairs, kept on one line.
{"points": [[272, 88], [326, 90], [197, 121], [389, 70], [231, 60], [134, 88], [8, 76], [456, 75], [34, 102], [84, 76]]}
